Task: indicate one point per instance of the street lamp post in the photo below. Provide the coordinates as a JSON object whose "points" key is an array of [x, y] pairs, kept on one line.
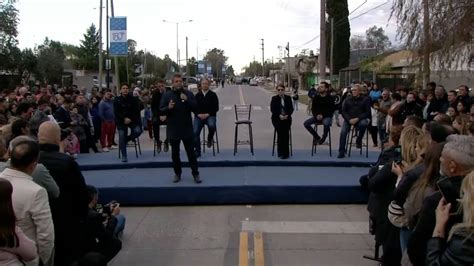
{"points": [[177, 36]]}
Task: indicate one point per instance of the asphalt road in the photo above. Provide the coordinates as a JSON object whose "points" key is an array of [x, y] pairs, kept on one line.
{"points": [[283, 235]]}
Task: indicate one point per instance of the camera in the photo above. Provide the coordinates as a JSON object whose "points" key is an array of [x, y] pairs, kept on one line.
{"points": [[398, 155], [107, 208]]}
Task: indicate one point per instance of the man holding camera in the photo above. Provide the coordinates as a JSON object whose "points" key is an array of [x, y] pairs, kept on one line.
{"points": [[103, 226], [177, 105]]}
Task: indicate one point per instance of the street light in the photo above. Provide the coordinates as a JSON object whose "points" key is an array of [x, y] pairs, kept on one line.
{"points": [[177, 41]]}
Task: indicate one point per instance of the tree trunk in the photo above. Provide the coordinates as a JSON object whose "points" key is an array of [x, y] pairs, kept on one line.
{"points": [[426, 44]]}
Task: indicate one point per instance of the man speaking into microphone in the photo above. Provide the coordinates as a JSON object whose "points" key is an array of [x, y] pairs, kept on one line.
{"points": [[177, 105]]}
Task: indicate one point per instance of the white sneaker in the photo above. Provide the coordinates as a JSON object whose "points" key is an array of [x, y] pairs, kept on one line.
{"points": [[114, 147], [105, 149]]}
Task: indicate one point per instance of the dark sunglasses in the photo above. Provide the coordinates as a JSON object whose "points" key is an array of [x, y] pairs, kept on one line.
{"points": [[280, 90]]}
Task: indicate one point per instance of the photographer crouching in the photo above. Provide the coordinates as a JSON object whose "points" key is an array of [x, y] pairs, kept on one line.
{"points": [[104, 225]]}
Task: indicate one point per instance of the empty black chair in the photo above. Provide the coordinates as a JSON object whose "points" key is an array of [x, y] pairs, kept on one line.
{"points": [[242, 117]]}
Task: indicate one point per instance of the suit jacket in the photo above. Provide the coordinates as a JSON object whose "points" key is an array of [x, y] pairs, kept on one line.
{"points": [[127, 107], [180, 125], [70, 209], [41, 177], [277, 109], [31, 205]]}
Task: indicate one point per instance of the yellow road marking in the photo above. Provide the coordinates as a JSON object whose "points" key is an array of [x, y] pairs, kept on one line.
{"points": [[244, 249], [258, 248], [242, 100]]}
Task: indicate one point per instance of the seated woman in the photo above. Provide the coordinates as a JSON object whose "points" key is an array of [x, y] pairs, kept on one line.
{"points": [[458, 249], [281, 107]]}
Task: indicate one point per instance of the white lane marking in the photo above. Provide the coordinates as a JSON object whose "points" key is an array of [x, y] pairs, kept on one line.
{"points": [[319, 227], [242, 100], [257, 108], [227, 108]]}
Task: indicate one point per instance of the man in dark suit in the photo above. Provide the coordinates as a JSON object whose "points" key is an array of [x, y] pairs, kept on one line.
{"points": [[177, 105], [70, 209], [158, 117], [127, 115], [281, 107], [207, 107]]}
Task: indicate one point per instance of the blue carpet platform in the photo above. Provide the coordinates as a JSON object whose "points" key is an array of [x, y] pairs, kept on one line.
{"points": [[228, 179]]}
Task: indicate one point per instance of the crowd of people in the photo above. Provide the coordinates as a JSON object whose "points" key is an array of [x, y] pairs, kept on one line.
{"points": [[426, 138]]}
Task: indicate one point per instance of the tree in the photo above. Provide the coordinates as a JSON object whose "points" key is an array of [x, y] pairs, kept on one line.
{"points": [[217, 60], [230, 71], [377, 39], [50, 61], [88, 52], [358, 42], [253, 69], [8, 33], [192, 67], [445, 27], [28, 64], [339, 11]]}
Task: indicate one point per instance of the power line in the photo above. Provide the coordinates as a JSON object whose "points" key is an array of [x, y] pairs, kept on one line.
{"points": [[341, 21]]}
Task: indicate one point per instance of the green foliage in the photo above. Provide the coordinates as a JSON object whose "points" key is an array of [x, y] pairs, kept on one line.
{"points": [[9, 52], [217, 59], [230, 71], [192, 67], [28, 64], [377, 39], [338, 10], [88, 52], [255, 68], [50, 61]]}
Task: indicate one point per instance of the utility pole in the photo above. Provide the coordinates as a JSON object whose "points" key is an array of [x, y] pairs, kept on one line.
{"points": [[107, 61], [288, 63], [177, 47], [187, 73], [322, 42], [331, 56], [101, 67], [426, 43], [263, 58], [116, 63]]}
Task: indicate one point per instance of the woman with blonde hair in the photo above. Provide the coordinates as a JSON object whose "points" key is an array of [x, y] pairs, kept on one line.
{"points": [[382, 186], [462, 124], [459, 248]]}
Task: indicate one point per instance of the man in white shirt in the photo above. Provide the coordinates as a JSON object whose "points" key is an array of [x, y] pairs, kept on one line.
{"points": [[30, 201]]}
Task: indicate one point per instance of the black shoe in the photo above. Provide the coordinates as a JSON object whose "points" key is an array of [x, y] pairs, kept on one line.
{"points": [[341, 155], [197, 179], [176, 178], [209, 143], [158, 147], [284, 157], [198, 154], [321, 141], [124, 159], [166, 147]]}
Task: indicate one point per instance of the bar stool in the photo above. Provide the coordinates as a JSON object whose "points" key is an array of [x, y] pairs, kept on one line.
{"points": [[275, 141], [215, 141], [242, 117], [349, 143], [135, 144], [315, 145]]}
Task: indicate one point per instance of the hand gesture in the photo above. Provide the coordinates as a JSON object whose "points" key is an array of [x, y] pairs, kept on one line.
{"points": [[127, 121], [397, 169], [171, 104], [319, 117], [442, 213], [354, 121], [162, 118]]}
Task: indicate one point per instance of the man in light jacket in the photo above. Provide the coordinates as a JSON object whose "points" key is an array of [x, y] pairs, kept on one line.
{"points": [[30, 201]]}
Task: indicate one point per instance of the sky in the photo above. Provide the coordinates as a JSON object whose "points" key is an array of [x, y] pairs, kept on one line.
{"points": [[236, 27]]}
